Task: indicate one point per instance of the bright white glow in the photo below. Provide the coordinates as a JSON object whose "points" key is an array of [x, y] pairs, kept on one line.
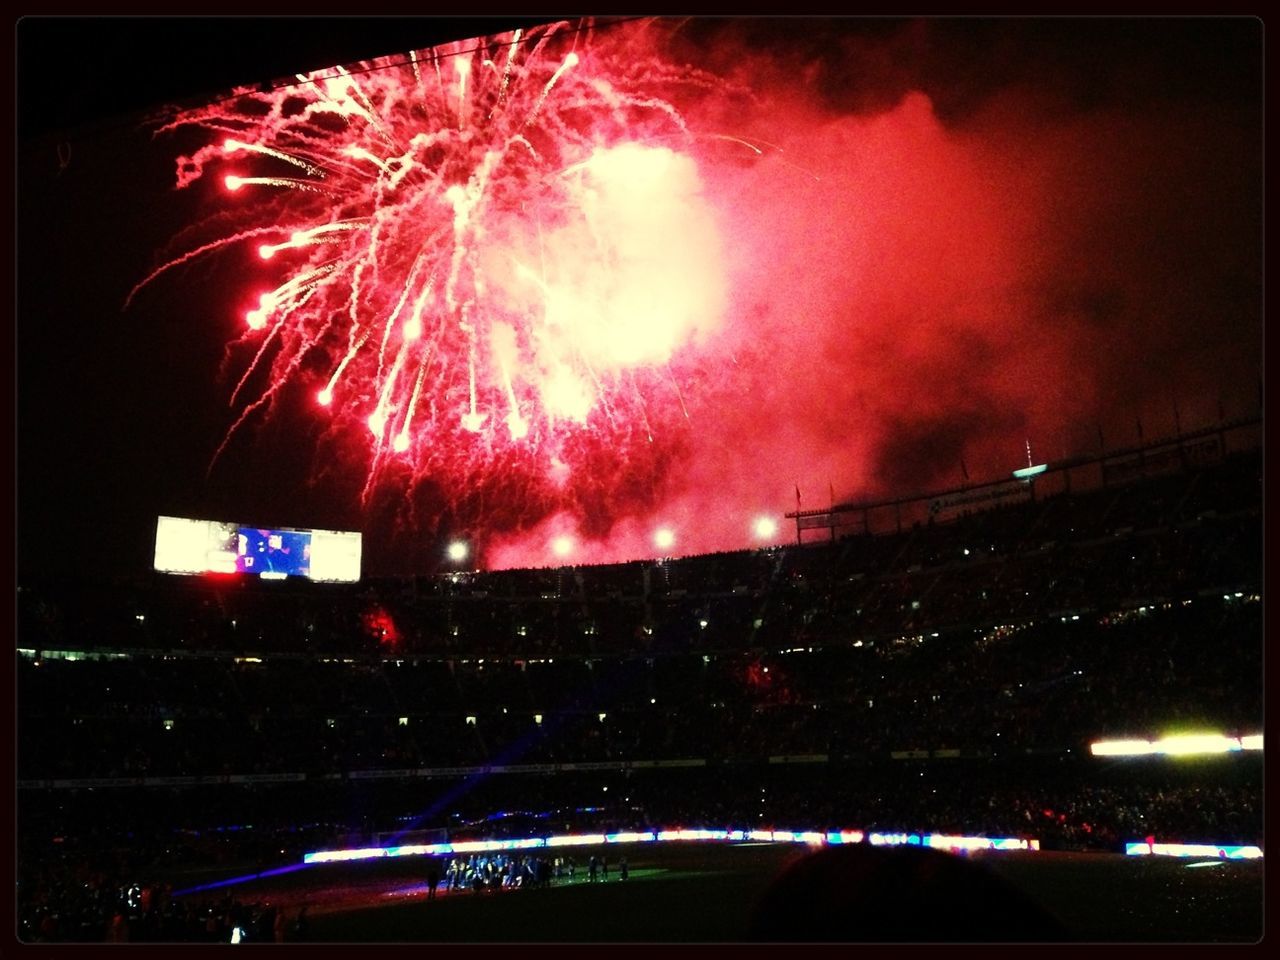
{"points": [[941, 841], [1142, 849], [693, 834], [233, 182], [335, 556], [1197, 743], [1121, 748], [766, 528], [893, 839], [457, 550], [336, 856], [475, 846], [1251, 743], [324, 397], [193, 546], [565, 395], [1176, 746], [518, 426], [562, 546], [664, 538], [401, 443], [811, 837], [575, 839], [411, 850]]}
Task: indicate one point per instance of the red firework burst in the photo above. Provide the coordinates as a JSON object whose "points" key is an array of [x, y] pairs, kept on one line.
{"points": [[500, 248]]}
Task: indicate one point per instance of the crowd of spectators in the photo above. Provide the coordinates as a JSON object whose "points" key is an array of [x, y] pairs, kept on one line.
{"points": [[1049, 683], [791, 682], [80, 906], [1093, 550]]}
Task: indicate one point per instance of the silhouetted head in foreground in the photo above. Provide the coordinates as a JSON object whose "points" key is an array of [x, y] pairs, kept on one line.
{"points": [[901, 894]]}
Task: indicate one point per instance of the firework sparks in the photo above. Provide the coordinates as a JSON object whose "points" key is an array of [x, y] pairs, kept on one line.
{"points": [[498, 246]]}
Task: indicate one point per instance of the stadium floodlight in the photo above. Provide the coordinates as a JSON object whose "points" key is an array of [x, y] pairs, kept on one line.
{"points": [[664, 538], [1197, 743], [1175, 746], [457, 551], [766, 528]]}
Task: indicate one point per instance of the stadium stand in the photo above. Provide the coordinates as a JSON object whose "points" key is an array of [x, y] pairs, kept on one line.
{"points": [[948, 677]]}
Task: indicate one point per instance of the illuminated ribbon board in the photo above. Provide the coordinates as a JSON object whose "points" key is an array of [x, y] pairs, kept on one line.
{"points": [[937, 841], [1143, 849]]}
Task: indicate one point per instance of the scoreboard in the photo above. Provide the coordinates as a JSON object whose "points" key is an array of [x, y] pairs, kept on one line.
{"points": [[211, 546]]}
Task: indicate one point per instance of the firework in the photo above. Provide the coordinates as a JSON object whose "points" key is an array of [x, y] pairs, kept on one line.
{"points": [[498, 250]]}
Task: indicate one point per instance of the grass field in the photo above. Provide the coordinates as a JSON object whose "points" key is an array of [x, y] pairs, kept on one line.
{"points": [[705, 893]]}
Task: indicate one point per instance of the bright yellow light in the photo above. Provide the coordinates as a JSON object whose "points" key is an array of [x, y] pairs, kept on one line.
{"points": [[1182, 746]]}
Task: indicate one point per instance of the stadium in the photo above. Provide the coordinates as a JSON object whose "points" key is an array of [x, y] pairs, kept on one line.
{"points": [[640, 481]]}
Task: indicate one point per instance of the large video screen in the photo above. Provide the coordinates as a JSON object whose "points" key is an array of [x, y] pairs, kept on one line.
{"points": [[273, 553], [210, 546]]}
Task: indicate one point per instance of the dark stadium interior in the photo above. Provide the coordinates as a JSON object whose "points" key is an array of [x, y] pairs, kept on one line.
{"points": [[908, 686], [897, 664]]}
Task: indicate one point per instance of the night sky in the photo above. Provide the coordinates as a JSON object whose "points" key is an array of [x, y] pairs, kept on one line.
{"points": [[975, 233]]}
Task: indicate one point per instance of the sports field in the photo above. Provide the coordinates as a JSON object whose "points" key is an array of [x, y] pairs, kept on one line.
{"points": [[705, 893]]}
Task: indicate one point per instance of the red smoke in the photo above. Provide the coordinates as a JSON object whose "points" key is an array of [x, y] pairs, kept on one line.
{"points": [[906, 290], [902, 245]]}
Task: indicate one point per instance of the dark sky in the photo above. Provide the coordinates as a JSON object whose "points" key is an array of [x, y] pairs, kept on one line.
{"points": [[75, 73], [108, 407], [1024, 229]]}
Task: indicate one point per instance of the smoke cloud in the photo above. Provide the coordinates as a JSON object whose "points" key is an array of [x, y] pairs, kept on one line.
{"points": [[957, 239]]}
